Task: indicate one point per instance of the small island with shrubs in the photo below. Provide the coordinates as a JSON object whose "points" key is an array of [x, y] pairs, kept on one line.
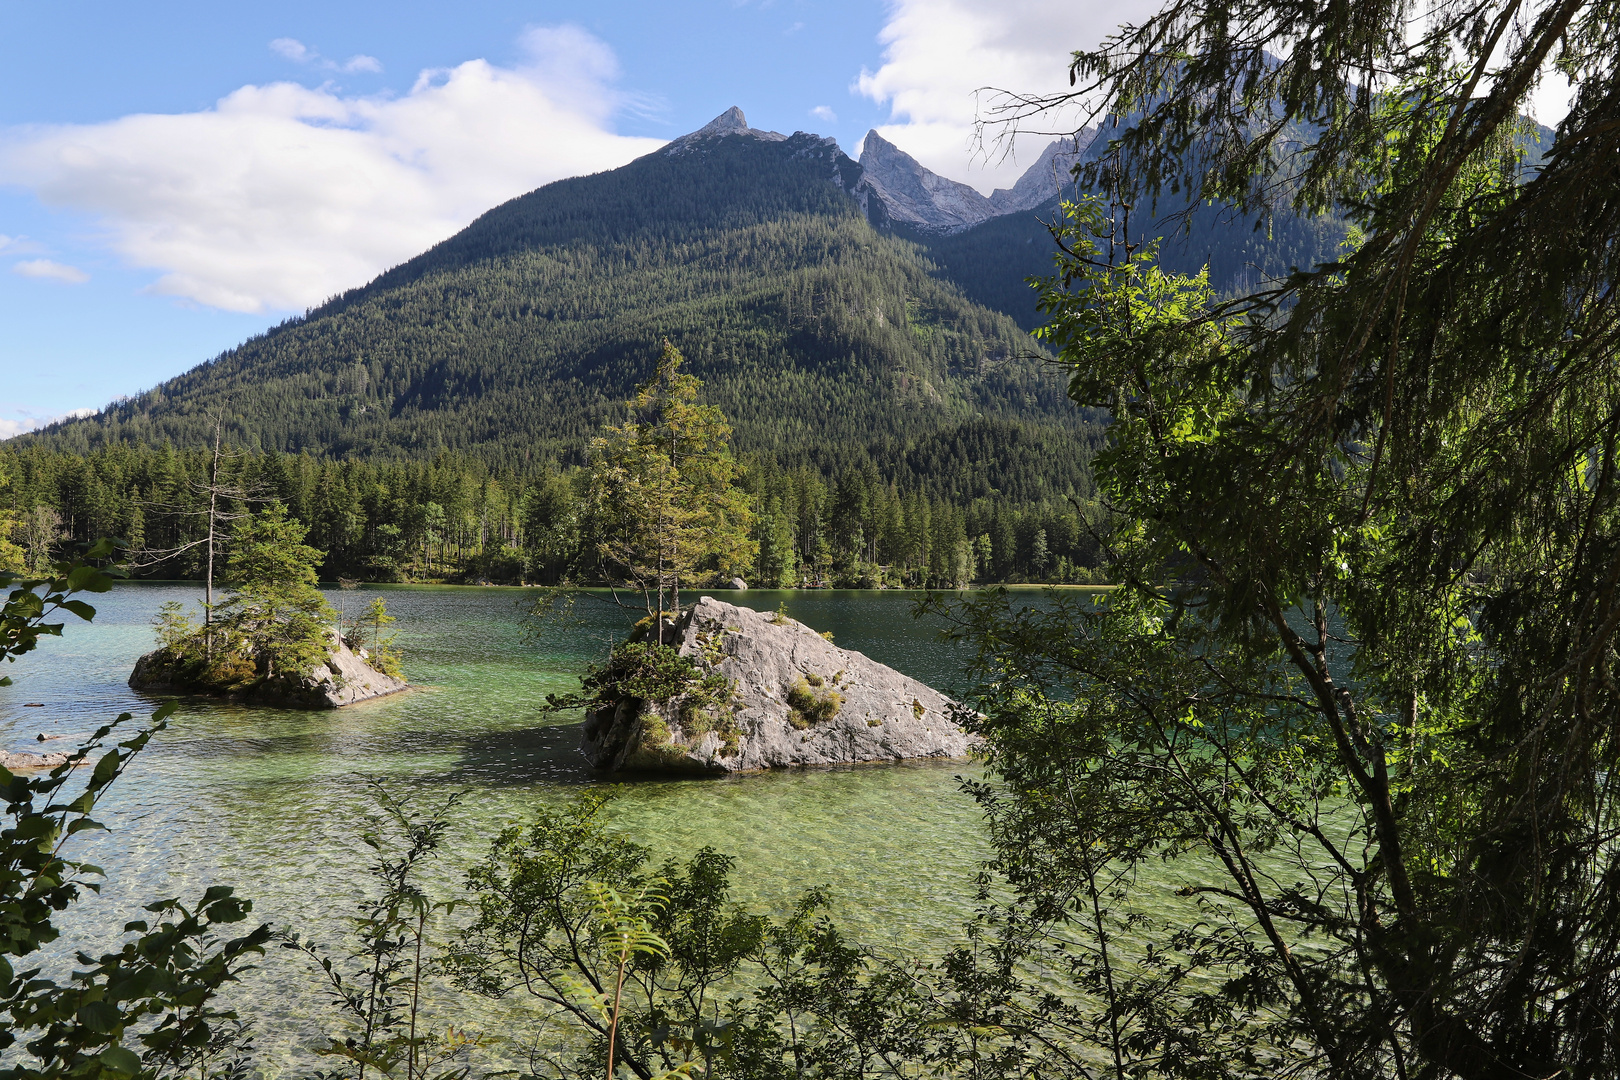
{"points": [[274, 640]]}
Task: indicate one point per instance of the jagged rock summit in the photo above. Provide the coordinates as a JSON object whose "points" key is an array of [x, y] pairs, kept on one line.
{"points": [[895, 188], [796, 700], [730, 122], [345, 679], [911, 194]]}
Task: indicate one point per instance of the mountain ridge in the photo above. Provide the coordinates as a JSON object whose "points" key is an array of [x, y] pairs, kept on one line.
{"points": [[821, 299], [520, 335]]}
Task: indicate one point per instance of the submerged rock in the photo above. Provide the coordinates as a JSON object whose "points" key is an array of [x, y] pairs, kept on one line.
{"points": [[796, 700], [344, 679]]}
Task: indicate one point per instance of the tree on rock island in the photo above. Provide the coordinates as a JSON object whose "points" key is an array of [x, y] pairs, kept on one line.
{"points": [[275, 622], [275, 608], [663, 491]]}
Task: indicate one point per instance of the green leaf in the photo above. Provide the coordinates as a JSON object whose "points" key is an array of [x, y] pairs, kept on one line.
{"points": [[106, 769], [120, 1060], [103, 1018], [81, 576], [79, 608]]}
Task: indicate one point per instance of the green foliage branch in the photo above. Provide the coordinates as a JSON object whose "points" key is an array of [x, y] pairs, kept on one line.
{"points": [[376, 985], [151, 1007], [567, 914], [1355, 686]]}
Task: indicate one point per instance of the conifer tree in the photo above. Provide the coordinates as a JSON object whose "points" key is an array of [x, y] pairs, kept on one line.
{"points": [[1357, 685], [275, 610], [663, 491]]}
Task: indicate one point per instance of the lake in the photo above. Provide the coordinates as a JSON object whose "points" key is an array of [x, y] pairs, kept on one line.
{"points": [[268, 800]]}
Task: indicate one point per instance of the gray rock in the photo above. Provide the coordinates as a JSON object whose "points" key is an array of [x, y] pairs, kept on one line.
{"points": [[912, 194], [854, 709], [345, 679], [730, 122], [739, 585], [26, 760]]}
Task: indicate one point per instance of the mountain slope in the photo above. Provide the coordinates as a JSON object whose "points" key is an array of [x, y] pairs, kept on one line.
{"points": [[824, 302], [516, 338], [990, 261], [989, 245]]}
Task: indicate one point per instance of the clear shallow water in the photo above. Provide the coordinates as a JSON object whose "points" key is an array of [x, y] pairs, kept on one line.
{"points": [[268, 800]]}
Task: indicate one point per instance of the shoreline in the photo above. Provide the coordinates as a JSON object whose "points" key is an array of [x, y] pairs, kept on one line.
{"points": [[334, 586]]}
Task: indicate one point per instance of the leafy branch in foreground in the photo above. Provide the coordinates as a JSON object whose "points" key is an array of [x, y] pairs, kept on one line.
{"points": [[567, 916], [380, 998], [149, 1008], [1356, 689]]}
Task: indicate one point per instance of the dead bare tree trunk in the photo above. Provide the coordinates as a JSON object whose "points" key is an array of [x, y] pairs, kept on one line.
{"points": [[213, 524]]}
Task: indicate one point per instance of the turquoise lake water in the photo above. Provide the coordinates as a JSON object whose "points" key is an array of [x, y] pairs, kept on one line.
{"points": [[267, 800]]}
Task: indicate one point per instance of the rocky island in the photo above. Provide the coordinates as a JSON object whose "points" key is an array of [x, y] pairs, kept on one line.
{"points": [[788, 697], [275, 640], [345, 677]]}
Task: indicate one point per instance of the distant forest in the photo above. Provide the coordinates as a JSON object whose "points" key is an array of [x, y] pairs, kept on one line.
{"points": [[986, 501]]}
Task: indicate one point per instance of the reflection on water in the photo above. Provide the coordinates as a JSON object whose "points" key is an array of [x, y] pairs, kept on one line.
{"points": [[267, 800]]}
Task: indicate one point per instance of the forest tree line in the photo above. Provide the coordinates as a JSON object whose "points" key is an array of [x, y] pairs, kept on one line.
{"points": [[463, 519]]}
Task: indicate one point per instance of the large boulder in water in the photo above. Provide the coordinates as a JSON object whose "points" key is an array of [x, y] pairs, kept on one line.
{"points": [[25, 759], [796, 700], [345, 679]]}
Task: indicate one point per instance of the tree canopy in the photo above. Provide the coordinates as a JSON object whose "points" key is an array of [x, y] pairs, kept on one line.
{"points": [[1357, 683]]}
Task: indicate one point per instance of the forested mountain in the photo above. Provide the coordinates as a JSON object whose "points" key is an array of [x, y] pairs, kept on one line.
{"points": [[824, 303], [516, 338], [862, 326]]}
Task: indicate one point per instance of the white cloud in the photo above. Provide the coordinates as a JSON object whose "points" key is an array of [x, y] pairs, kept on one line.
{"points": [[281, 195], [26, 422], [939, 54], [52, 271], [822, 112], [291, 48], [299, 53], [20, 245], [1551, 99]]}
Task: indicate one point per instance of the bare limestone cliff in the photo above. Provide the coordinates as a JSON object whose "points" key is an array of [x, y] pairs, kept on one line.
{"points": [[796, 699], [908, 193]]}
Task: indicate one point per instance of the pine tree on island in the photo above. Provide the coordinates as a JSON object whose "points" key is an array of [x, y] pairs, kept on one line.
{"points": [[274, 638], [663, 492]]}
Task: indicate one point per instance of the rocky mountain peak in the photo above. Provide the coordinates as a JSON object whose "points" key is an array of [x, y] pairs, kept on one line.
{"points": [[731, 122], [895, 188], [912, 194]]}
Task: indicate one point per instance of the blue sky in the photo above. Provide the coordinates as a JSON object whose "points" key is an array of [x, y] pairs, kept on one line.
{"points": [[175, 177]]}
